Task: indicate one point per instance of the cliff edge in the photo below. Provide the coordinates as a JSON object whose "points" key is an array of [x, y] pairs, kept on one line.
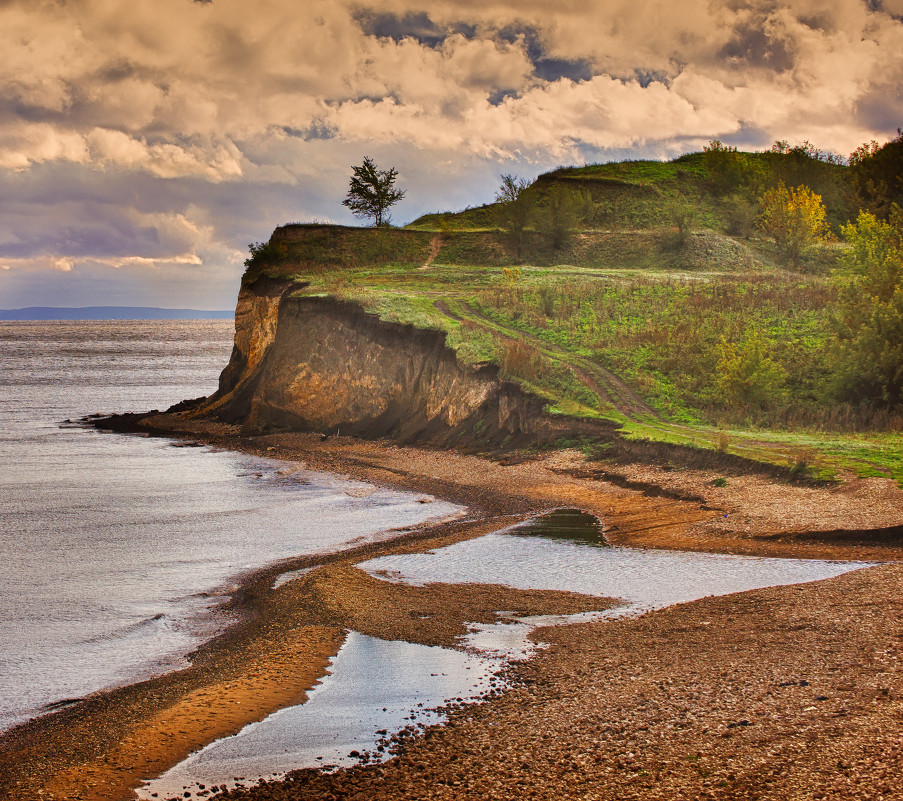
{"points": [[315, 363]]}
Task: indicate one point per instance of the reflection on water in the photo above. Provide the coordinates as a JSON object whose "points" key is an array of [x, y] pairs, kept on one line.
{"points": [[116, 547], [375, 689], [568, 525], [377, 685]]}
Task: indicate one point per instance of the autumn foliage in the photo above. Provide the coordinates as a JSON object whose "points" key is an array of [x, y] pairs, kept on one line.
{"points": [[795, 219]]}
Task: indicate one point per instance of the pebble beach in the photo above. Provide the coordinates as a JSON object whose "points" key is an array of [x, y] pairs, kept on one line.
{"points": [[783, 692]]}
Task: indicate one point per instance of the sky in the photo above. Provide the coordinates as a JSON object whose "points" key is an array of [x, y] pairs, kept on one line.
{"points": [[144, 145]]}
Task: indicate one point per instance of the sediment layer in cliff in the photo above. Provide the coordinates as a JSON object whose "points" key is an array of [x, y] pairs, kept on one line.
{"points": [[314, 363]]}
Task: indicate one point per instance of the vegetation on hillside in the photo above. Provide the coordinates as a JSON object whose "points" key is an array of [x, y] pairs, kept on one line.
{"points": [[748, 302]]}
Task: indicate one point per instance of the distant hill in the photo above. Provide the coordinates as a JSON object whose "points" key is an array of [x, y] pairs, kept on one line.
{"points": [[112, 313]]}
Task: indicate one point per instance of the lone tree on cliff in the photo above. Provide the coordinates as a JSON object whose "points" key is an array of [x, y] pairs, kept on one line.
{"points": [[371, 192]]}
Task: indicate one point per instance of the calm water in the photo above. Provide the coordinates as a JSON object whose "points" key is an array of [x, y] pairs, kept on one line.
{"points": [[114, 548], [377, 687], [540, 555], [374, 689]]}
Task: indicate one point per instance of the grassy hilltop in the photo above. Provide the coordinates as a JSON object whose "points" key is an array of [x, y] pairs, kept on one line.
{"points": [[661, 295]]}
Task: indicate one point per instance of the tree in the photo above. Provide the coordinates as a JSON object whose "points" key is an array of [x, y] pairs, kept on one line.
{"points": [[371, 192], [514, 208], [876, 173], [794, 218], [870, 318], [684, 214], [562, 214]]}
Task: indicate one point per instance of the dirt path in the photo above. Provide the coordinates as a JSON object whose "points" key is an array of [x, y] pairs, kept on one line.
{"points": [[435, 247], [610, 389]]}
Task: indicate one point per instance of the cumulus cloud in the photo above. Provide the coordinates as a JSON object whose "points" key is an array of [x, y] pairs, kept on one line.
{"points": [[180, 88], [169, 131]]}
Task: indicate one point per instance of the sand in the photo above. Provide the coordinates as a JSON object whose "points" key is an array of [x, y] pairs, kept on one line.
{"points": [[638, 708]]}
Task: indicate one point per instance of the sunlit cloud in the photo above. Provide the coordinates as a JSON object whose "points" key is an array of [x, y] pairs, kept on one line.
{"points": [[122, 126]]}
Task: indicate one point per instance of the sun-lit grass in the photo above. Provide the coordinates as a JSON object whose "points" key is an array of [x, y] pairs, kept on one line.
{"points": [[625, 321]]}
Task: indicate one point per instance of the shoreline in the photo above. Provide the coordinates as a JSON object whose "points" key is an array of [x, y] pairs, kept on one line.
{"points": [[279, 647], [641, 505], [99, 748]]}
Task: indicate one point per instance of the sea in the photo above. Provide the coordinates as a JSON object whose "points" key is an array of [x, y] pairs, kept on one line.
{"points": [[117, 551]]}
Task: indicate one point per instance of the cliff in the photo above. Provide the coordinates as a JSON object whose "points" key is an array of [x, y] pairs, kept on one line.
{"points": [[315, 363]]}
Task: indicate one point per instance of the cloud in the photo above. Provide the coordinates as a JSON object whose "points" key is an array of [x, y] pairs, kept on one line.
{"points": [[168, 132], [179, 88]]}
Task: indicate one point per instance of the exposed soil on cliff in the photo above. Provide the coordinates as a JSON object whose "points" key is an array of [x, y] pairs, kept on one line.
{"points": [[318, 364]]}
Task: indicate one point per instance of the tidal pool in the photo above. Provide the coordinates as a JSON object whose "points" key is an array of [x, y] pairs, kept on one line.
{"points": [[526, 557], [376, 688]]}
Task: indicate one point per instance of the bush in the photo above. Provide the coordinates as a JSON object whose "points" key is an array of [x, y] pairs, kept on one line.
{"points": [[870, 319], [747, 373], [740, 214], [795, 219]]}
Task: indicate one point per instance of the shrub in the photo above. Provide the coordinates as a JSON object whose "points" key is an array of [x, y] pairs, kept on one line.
{"points": [[870, 314], [740, 215], [795, 219], [747, 373]]}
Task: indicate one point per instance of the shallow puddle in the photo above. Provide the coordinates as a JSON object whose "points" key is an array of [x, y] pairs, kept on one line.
{"points": [[565, 525], [375, 689], [526, 558]]}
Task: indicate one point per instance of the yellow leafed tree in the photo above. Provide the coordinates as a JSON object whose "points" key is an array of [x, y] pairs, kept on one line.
{"points": [[795, 219]]}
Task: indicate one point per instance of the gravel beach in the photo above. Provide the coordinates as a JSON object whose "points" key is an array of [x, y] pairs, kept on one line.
{"points": [[789, 692], [785, 693]]}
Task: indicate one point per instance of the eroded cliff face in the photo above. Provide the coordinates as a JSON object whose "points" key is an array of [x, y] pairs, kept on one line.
{"points": [[256, 317], [319, 364]]}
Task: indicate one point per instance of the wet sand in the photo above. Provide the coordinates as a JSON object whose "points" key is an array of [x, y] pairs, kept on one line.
{"points": [[103, 746], [784, 693]]}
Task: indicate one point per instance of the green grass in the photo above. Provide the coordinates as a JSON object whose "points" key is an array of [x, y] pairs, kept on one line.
{"points": [[626, 322], [638, 173]]}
